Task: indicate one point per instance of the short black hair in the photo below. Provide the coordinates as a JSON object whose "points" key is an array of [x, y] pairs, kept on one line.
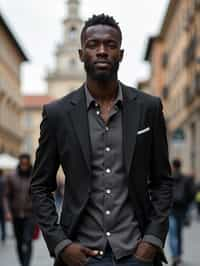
{"points": [[24, 156], [101, 19]]}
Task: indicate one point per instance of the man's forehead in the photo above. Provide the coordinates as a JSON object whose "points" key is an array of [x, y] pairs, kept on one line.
{"points": [[99, 31]]}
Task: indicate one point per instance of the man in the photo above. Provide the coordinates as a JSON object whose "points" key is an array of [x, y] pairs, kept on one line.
{"points": [[2, 206], [111, 142], [182, 199], [20, 208]]}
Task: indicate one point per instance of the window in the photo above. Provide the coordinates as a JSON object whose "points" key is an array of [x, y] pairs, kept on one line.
{"points": [[165, 92], [72, 62], [28, 144], [197, 4], [165, 60], [72, 33], [27, 120], [190, 52]]}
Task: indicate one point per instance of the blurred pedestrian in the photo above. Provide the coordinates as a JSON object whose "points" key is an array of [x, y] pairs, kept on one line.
{"points": [[20, 208], [182, 198], [197, 199], [2, 206]]}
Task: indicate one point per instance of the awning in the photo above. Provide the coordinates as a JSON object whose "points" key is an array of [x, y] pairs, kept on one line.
{"points": [[7, 161]]}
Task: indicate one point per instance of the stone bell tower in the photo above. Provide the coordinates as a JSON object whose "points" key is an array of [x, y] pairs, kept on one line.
{"points": [[68, 73]]}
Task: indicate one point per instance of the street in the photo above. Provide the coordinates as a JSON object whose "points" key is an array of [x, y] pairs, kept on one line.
{"points": [[191, 245], [41, 256], [8, 255]]}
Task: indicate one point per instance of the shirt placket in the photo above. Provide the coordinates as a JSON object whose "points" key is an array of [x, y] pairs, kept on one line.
{"points": [[108, 197], [108, 187]]}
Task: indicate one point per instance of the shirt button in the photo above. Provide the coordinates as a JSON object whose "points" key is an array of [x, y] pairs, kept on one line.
{"points": [[101, 252], [107, 128], [96, 104], [108, 233], [108, 191], [98, 112], [108, 212], [108, 149], [108, 171]]}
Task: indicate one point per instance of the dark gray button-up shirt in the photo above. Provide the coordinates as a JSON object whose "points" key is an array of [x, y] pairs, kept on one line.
{"points": [[109, 216]]}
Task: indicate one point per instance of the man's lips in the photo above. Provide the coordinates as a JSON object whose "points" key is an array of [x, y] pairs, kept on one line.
{"points": [[102, 63]]}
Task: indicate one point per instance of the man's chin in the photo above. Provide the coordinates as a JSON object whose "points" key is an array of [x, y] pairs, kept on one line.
{"points": [[103, 76]]}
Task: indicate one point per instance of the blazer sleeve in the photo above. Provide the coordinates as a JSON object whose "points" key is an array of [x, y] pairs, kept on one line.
{"points": [[161, 181], [43, 183]]}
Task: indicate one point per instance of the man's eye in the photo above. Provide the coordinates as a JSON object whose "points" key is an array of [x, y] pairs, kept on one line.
{"points": [[92, 44], [112, 45]]}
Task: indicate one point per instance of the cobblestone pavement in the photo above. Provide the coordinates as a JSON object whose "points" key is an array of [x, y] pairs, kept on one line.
{"points": [[41, 257]]}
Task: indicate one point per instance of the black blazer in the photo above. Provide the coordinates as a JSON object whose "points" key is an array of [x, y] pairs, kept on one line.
{"points": [[64, 140]]}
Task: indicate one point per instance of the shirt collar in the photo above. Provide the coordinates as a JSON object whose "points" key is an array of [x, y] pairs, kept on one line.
{"points": [[90, 99]]}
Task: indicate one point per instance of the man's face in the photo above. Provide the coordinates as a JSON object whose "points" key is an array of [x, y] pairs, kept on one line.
{"points": [[24, 164], [101, 53]]}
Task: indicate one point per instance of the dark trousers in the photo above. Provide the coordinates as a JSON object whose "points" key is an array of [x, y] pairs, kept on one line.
{"points": [[176, 223], [2, 224], [109, 260], [23, 230]]}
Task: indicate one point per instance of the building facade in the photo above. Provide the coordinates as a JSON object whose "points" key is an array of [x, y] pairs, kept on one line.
{"points": [[31, 121], [68, 73], [11, 58], [174, 57]]}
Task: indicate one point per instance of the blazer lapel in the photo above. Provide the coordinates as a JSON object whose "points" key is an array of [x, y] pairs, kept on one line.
{"points": [[80, 123], [131, 116]]}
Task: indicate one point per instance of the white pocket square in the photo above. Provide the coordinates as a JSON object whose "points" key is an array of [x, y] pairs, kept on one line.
{"points": [[143, 130]]}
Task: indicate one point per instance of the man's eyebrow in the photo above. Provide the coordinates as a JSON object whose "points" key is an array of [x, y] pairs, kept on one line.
{"points": [[92, 39], [99, 39]]}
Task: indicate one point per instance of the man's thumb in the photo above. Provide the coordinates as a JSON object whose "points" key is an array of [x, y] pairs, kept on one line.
{"points": [[90, 252]]}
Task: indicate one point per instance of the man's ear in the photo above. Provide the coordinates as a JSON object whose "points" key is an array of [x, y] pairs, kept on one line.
{"points": [[80, 52], [121, 54]]}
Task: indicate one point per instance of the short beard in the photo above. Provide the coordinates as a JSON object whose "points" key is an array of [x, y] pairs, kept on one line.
{"points": [[102, 76]]}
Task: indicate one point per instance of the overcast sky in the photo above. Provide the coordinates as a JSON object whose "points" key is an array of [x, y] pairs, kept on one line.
{"points": [[37, 24]]}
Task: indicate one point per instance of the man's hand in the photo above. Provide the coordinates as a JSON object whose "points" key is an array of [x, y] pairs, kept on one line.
{"points": [[76, 255], [145, 251]]}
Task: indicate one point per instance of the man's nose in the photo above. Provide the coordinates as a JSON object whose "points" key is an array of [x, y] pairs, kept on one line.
{"points": [[102, 51]]}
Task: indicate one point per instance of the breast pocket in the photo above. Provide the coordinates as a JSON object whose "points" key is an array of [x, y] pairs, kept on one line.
{"points": [[143, 143], [143, 135]]}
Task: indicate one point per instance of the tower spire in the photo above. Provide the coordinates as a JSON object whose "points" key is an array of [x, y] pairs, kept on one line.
{"points": [[68, 71], [73, 7]]}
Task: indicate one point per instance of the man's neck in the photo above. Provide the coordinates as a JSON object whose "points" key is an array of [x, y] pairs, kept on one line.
{"points": [[104, 91]]}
